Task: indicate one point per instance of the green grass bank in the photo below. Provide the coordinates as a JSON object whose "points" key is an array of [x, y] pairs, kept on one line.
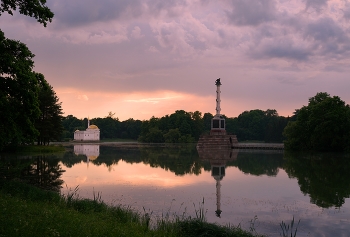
{"points": [[29, 211], [35, 149]]}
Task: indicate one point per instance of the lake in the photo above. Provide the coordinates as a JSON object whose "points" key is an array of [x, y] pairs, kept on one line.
{"points": [[254, 189]]}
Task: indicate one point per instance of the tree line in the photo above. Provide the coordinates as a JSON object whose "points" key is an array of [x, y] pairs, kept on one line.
{"points": [[322, 125], [184, 127]]}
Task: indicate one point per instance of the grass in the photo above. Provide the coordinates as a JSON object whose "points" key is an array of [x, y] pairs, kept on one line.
{"points": [[289, 231], [118, 140], [38, 149], [29, 211]]}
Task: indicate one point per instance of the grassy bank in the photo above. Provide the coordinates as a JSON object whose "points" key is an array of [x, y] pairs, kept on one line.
{"points": [[35, 149], [29, 211]]}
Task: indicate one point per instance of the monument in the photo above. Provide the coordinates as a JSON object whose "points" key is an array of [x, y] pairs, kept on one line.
{"points": [[218, 122], [218, 138], [216, 147]]}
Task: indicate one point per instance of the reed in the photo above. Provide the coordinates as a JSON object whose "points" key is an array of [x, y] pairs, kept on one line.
{"points": [[30, 211], [289, 231]]}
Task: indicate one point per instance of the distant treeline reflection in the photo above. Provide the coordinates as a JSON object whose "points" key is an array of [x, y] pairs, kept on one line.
{"points": [[180, 159], [324, 177]]}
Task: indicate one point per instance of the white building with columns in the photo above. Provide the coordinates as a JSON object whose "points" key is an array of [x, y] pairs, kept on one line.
{"points": [[92, 133]]}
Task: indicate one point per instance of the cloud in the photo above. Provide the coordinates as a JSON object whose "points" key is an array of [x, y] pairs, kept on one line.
{"points": [[263, 50], [169, 8], [346, 11], [136, 33], [329, 37], [83, 97], [72, 14], [151, 100], [315, 4], [283, 49], [251, 12]]}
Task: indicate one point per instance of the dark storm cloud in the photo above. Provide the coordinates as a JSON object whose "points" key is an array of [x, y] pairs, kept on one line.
{"points": [[251, 12], [347, 11], [298, 37], [284, 49], [328, 37], [169, 6], [315, 4], [84, 12], [325, 29]]}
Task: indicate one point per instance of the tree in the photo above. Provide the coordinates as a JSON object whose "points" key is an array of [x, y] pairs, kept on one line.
{"points": [[71, 124], [49, 123], [322, 125], [207, 117], [172, 136], [130, 129], [32, 8], [250, 125], [109, 126], [19, 104], [154, 136]]}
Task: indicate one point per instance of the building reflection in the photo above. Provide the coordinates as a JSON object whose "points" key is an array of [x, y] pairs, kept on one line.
{"points": [[218, 158], [91, 151]]}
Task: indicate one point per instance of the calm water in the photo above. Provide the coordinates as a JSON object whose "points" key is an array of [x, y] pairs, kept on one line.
{"points": [[242, 188]]}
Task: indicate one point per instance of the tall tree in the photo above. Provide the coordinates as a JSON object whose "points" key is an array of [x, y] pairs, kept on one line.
{"points": [[18, 93], [322, 125], [18, 84], [49, 123]]}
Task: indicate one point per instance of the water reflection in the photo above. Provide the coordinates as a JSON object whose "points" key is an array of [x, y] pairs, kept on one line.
{"points": [[324, 177], [178, 159], [259, 162], [43, 171], [91, 151], [236, 185], [217, 158]]}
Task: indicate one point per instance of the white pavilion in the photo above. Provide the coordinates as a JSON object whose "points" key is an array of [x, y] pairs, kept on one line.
{"points": [[92, 133]]}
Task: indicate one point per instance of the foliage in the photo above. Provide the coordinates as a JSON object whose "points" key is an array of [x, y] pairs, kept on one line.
{"points": [[71, 124], [49, 123], [40, 149], [322, 125], [197, 227], [257, 125], [19, 103], [289, 230], [130, 129], [32, 8], [184, 127], [108, 126], [28, 211]]}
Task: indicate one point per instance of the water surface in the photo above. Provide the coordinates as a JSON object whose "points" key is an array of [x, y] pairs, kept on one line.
{"points": [[253, 189]]}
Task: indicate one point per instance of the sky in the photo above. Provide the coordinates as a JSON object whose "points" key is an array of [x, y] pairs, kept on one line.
{"points": [[144, 58]]}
